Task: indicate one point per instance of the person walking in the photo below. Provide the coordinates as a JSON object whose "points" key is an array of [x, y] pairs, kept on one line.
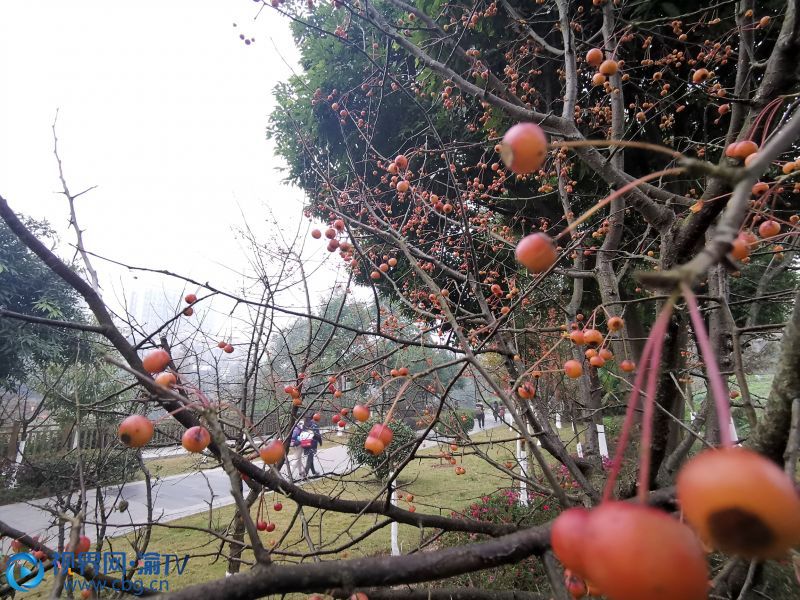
{"points": [[495, 409], [296, 451], [480, 415], [310, 439]]}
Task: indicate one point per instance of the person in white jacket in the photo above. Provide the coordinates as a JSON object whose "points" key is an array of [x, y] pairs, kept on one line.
{"points": [[296, 452]]}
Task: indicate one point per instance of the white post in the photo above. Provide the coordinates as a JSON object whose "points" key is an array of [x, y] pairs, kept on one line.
{"points": [[578, 445], [601, 440], [340, 430], [522, 459], [17, 463], [394, 527], [734, 435], [558, 420]]}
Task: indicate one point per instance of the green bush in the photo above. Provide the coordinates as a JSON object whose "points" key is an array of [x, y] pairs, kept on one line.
{"points": [[382, 464], [453, 422], [504, 507]]}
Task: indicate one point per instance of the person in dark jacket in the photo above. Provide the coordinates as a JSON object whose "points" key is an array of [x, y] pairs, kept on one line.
{"points": [[310, 439], [480, 415], [495, 409]]}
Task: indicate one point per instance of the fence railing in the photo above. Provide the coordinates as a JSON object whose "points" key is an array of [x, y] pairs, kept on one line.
{"points": [[50, 438]]}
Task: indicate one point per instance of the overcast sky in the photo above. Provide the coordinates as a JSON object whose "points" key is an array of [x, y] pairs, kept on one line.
{"points": [[164, 108]]}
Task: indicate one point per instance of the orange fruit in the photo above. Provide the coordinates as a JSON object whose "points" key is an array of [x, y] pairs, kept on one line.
{"points": [[524, 148], [740, 502]]}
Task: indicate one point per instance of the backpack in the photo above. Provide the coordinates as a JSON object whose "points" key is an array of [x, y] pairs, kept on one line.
{"points": [[306, 439], [295, 435]]}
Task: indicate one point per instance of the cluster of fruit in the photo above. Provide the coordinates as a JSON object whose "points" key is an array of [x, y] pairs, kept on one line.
{"points": [[378, 439], [735, 501]]}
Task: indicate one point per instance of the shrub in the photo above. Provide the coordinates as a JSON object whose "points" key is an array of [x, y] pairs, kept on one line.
{"points": [[389, 458], [504, 507], [41, 477], [453, 422]]}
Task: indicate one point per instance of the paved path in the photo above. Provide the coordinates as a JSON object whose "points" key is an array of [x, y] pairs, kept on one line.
{"points": [[174, 497]]}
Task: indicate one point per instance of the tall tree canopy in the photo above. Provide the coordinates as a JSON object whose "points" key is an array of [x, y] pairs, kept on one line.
{"points": [[29, 288]]}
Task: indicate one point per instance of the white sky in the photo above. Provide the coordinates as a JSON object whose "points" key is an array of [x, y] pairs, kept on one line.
{"points": [[164, 108]]}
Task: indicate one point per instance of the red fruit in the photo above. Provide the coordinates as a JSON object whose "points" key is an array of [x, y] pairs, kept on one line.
{"points": [[597, 361], [373, 445], [594, 57], [316, 234], [526, 391], [575, 585], [272, 453], [592, 336], [608, 67], [577, 338], [383, 433], [338, 224], [740, 502], [336, 418], [741, 150], [156, 360], [228, 348], [84, 543], [537, 252], [166, 379], [700, 75], [188, 311], [221, 345], [759, 188], [361, 413], [261, 525], [136, 431], [628, 366], [634, 552], [196, 439], [277, 507], [615, 324], [401, 161], [524, 148], [568, 537], [402, 186], [330, 233], [605, 354], [342, 423], [317, 417], [573, 369], [190, 298], [740, 248], [769, 229], [270, 527]]}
